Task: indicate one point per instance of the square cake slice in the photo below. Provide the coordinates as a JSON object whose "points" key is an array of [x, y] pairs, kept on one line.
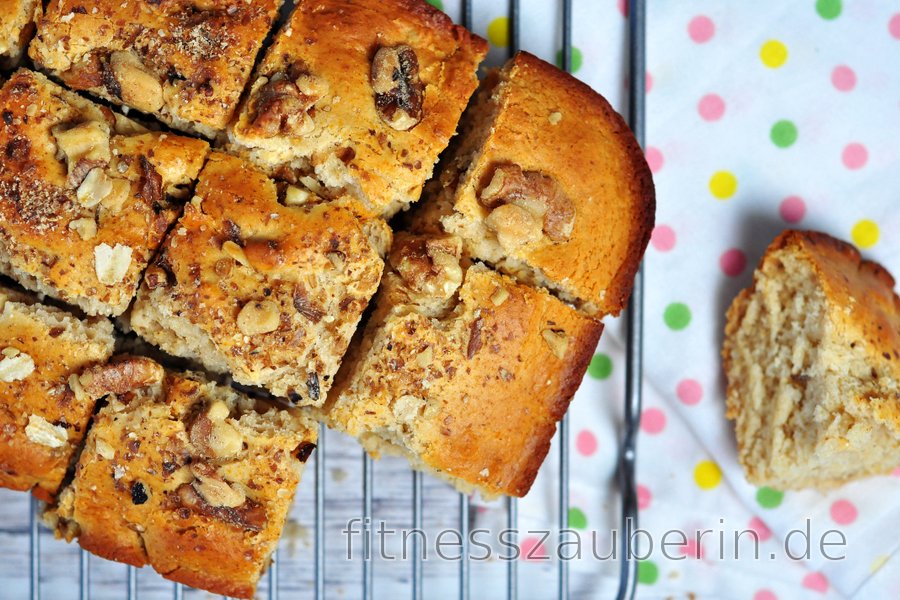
{"points": [[86, 196], [359, 98], [17, 23], [184, 62], [43, 412], [547, 183], [812, 358], [261, 281], [182, 474], [461, 370]]}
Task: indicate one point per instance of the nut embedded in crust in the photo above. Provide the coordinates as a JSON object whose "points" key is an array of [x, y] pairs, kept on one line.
{"points": [[259, 317], [138, 87], [399, 93]]}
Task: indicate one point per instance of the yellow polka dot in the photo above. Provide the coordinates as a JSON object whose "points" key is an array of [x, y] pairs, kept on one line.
{"points": [[879, 562], [707, 474], [773, 54], [723, 185], [865, 233], [498, 32]]}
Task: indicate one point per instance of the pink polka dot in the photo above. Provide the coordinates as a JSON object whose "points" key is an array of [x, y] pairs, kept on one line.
{"points": [[711, 107], [643, 497], [843, 512], [532, 549], [843, 78], [691, 549], [663, 238], [816, 582], [689, 391], [701, 29], [653, 421], [855, 156], [896, 472], [654, 159], [586, 443], [792, 209], [760, 528], [894, 26], [623, 7], [733, 262], [765, 595], [648, 85]]}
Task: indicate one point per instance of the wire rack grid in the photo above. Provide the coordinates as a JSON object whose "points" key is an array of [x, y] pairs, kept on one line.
{"points": [[627, 457]]}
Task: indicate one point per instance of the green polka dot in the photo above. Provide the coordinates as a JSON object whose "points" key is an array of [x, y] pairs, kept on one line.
{"points": [[438, 4], [648, 572], [577, 519], [784, 133], [577, 59], [677, 316], [600, 367], [769, 498], [829, 9]]}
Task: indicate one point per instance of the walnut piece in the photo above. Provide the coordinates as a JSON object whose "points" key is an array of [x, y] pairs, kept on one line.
{"points": [[85, 228], [40, 431], [215, 490], [282, 103], [213, 435], [111, 263], [138, 87], [557, 341], [258, 317], [430, 267], [499, 296], [544, 207], [84, 147], [399, 93], [235, 252], [120, 376], [95, 187], [15, 365]]}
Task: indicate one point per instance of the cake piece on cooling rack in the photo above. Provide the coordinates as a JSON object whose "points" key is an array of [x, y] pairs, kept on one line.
{"points": [[359, 98], [812, 358], [43, 412], [261, 280], [461, 370], [182, 61], [86, 196], [17, 22], [189, 477], [547, 183]]}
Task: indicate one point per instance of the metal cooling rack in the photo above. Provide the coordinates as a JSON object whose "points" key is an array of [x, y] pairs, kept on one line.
{"points": [[627, 458]]}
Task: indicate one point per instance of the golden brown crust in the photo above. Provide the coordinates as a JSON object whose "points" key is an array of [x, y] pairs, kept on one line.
{"points": [[17, 23], [536, 118], [185, 63], [147, 491], [269, 292], [42, 419], [329, 127], [474, 394], [56, 235]]}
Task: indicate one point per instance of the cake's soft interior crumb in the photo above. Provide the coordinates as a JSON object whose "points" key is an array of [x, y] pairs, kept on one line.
{"points": [[803, 386]]}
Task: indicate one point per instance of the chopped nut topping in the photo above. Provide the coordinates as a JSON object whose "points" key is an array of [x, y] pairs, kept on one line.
{"points": [[116, 198], [294, 196], [499, 296], [555, 117], [215, 437], [155, 277], [544, 207], [105, 450], [111, 264], [430, 267], [557, 341], [425, 357], [282, 106], [138, 87], [85, 228], [475, 339], [95, 187], [40, 431], [120, 376], [399, 93], [84, 147], [215, 490], [15, 366], [235, 252], [258, 317]]}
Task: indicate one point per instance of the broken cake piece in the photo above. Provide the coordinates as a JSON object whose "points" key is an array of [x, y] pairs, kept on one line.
{"points": [[184, 62], [86, 196], [546, 183], [812, 359], [189, 477], [17, 23], [359, 98], [262, 281], [461, 370], [44, 413]]}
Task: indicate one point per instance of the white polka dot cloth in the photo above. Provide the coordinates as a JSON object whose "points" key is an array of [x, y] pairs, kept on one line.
{"points": [[761, 116]]}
